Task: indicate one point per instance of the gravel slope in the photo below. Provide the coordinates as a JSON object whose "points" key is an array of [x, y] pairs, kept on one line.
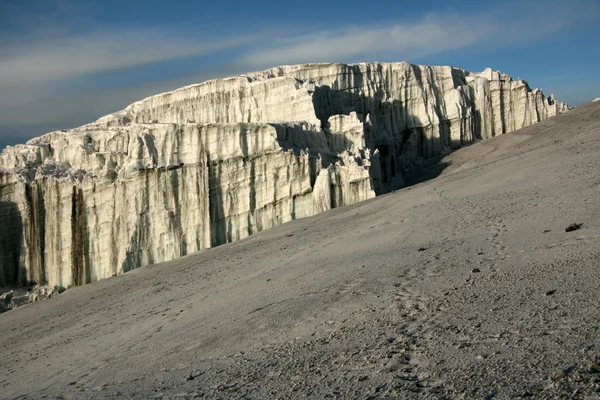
{"points": [[462, 286]]}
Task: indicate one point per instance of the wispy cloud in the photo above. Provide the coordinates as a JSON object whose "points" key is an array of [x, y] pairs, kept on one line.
{"points": [[515, 22], [57, 57], [431, 35]]}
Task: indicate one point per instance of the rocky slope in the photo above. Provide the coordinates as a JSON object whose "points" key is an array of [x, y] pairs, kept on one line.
{"points": [[465, 286], [212, 163]]}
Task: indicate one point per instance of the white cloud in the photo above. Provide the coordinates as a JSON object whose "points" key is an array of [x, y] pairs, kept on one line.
{"points": [[43, 59], [515, 22], [431, 35]]}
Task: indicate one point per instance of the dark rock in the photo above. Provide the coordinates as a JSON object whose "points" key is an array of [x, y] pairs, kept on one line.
{"points": [[422, 248], [550, 292], [475, 270], [381, 388], [573, 227]]}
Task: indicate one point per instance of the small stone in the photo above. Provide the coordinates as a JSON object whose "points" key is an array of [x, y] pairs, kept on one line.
{"points": [[550, 292], [422, 248], [475, 270], [557, 375], [546, 231], [381, 388], [573, 227]]}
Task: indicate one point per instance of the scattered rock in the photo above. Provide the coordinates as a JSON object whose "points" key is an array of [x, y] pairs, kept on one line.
{"points": [[475, 270], [546, 231], [18, 297], [550, 292], [558, 375], [17, 301], [422, 248], [573, 227], [381, 388]]}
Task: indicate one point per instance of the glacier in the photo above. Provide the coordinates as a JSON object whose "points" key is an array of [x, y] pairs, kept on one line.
{"points": [[215, 162]]}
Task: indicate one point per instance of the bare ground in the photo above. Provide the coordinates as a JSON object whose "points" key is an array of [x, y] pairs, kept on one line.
{"points": [[462, 287]]}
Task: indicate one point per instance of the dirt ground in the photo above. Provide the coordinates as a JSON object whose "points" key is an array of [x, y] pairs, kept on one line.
{"points": [[464, 286]]}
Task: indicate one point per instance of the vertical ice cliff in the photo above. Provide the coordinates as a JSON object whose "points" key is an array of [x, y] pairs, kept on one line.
{"points": [[215, 162]]}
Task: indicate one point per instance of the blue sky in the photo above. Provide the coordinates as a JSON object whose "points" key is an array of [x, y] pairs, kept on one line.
{"points": [[64, 63]]}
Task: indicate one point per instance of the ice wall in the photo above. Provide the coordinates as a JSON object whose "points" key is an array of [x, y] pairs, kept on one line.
{"points": [[215, 162]]}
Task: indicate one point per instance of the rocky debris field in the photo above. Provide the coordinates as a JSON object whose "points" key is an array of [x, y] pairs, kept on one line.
{"points": [[17, 297]]}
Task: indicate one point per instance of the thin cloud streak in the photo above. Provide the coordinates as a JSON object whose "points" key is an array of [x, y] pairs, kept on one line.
{"points": [[516, 23], [428, 37], [41, 60]]}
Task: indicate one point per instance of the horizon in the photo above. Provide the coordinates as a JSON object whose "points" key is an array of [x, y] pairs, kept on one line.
{"points": [[65, 63]]}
